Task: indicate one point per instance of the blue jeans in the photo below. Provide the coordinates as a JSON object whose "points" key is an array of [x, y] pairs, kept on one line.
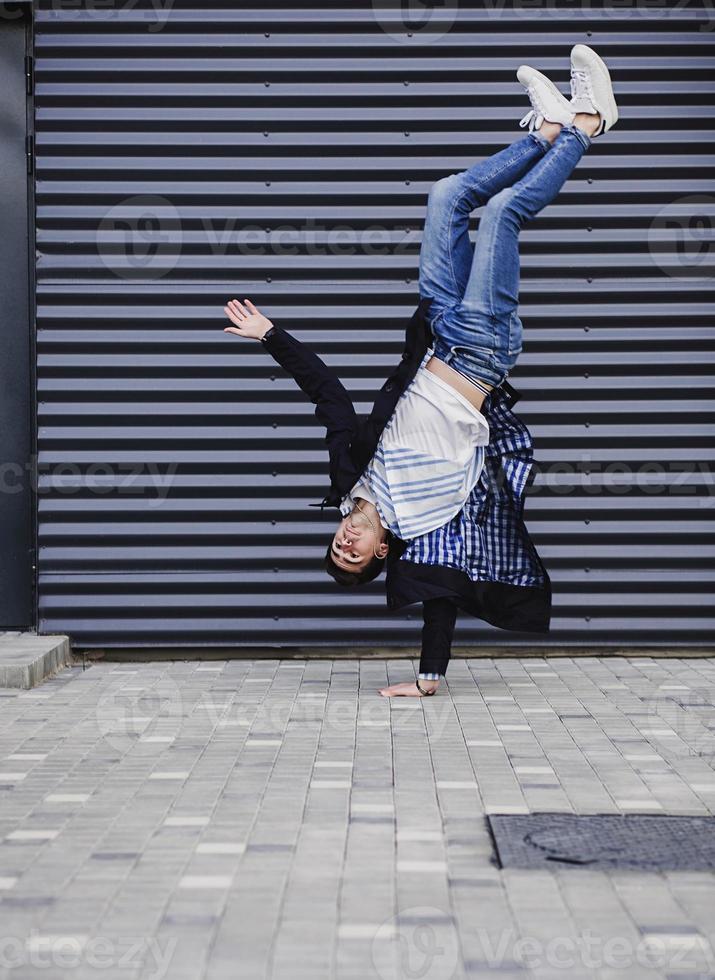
{"points": [[475, 291]]}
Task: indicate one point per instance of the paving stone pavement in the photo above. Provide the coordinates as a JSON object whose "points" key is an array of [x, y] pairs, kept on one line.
{"points": [[277, 819]]}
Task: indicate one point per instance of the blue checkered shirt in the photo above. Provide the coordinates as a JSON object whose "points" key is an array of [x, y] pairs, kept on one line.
{"points": [[484, 540]]}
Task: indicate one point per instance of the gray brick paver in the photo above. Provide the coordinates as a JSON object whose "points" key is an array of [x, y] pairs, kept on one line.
{"points": [[332, 869]]}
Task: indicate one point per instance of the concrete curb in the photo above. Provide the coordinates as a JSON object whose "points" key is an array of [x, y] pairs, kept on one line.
{"points": [[335, 652], [27, 659]]}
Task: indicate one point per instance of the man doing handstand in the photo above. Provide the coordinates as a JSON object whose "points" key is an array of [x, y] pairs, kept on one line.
{"points": [[417, 483]]}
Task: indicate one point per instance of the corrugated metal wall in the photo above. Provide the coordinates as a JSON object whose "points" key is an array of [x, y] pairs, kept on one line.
{"points": [[284, 152]]}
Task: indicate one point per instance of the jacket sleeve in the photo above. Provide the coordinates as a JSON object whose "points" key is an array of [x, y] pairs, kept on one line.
{"points": [[333, 406], [440, 617]]}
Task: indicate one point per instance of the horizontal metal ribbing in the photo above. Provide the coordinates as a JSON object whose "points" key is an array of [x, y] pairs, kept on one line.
{"points": [[177, 463]]}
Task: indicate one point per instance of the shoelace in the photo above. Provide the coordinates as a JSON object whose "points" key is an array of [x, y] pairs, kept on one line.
{"points": [[581, 85], [535, 116], [533, 119]]}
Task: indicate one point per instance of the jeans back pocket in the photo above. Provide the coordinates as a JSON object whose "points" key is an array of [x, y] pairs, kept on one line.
{"points": [[515, 334]]}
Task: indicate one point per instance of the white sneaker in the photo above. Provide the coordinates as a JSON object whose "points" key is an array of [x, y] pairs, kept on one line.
{"points": [[591, 89], [547, 103]]}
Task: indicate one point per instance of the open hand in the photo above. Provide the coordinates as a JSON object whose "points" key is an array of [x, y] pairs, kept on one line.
{"points": [[247, 319]]}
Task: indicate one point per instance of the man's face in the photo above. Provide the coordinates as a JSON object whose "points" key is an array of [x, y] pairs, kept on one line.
{"points": [[355, 544]]}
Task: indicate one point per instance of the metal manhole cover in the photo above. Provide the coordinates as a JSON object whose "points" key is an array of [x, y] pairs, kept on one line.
{"points": [[642, 842]]}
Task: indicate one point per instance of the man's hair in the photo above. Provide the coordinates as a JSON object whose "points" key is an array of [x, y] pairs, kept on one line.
{"points": [[350, 579]]}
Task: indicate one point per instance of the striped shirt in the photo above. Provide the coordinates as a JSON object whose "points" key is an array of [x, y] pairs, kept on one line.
{"points": [[429, 457]]}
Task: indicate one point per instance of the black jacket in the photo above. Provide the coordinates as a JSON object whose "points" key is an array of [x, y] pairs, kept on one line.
{"points": [[352, 443]]}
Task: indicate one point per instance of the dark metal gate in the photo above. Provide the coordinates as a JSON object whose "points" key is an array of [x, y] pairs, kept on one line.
{"points": [[16, 370], [195, 152]]}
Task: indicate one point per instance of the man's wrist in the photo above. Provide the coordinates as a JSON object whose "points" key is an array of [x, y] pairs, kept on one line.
{"points": [[268, 334]]}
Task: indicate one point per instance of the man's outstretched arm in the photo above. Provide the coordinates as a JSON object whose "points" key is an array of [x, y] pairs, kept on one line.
{"points": [[333, 406], [440, 616]]}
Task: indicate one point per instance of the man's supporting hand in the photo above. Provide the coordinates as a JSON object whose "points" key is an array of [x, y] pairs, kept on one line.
{"points": [[247, 319]]}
